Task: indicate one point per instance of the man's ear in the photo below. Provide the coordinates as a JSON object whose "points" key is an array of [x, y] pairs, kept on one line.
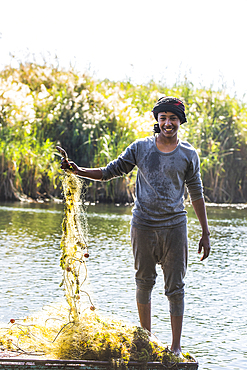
{"points": [[156, 129]]}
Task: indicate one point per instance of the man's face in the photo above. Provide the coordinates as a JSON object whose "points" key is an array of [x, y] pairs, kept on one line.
{"points": [[169, 123]]}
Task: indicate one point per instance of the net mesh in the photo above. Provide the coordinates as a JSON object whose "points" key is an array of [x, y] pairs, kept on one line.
{"points": [[74, 244]]}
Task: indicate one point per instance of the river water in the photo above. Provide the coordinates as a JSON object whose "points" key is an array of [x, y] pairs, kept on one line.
{"points": [[215, 314]]}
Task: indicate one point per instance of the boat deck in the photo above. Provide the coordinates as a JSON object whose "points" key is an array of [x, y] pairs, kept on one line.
{"points": [[18, 363]]}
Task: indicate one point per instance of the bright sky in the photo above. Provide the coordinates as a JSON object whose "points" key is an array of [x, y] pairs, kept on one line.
{"points": [[136, 39]]}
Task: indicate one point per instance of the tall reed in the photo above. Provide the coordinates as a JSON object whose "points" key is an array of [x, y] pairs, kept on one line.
{"points": [[41, 106]]}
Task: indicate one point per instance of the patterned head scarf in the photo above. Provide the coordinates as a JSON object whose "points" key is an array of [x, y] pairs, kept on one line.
{"points": [[170, 104]]}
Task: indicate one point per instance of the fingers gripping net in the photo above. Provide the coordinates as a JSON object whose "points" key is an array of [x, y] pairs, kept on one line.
{"points": [[74, 243]]}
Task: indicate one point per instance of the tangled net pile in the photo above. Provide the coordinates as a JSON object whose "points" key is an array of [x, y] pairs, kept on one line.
{"points": [[73, 330]]}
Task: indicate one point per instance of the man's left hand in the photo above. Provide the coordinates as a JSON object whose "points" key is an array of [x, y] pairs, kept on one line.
{"points": [[204, 244]]}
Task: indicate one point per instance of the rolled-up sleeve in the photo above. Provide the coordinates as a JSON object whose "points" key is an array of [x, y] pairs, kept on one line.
{"points": [[193, 179], [122, 165]]}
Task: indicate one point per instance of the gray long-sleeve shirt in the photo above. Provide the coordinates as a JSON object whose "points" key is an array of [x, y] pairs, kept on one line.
{"points": [[160, 182]]}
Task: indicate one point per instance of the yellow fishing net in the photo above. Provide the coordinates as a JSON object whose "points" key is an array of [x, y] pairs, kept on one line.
{"points": [[74, 244], [73, 329]]}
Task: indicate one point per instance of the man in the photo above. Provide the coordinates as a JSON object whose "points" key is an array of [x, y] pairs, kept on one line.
{"points": [[159, 222]]}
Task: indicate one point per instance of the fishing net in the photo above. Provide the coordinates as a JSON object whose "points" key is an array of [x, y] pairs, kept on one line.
{"points": [[73, 329], [74, 244]]}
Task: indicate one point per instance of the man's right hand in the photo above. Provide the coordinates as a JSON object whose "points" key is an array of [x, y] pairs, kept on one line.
{"points": [[89, 173], [66, 165]]}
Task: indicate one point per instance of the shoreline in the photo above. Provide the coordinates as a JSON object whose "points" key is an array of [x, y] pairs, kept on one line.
{"points": [[88, 203]]}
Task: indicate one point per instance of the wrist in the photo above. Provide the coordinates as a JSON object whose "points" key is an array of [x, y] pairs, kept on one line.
{"points": [[79, 171]]}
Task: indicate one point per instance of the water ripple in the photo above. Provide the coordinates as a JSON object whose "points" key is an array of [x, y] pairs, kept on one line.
{"points": [[216, 289]]}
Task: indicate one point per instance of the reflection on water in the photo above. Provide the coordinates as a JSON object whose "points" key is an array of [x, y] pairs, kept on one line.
{"points": [[30, 251], [215, 316]]}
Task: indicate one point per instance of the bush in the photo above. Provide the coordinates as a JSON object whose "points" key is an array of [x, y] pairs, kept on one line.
{"points": [[95, 121]]}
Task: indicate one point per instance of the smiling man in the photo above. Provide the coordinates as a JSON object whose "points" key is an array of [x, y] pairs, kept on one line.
{"points": [[159, 223]]}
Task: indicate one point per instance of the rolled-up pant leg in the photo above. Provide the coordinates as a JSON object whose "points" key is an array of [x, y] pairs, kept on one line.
{"points": [[174, 265], [143, 243], [169, 248]]}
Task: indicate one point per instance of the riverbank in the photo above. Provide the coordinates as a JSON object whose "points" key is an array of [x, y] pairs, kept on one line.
{"points": [[95, 121], [126, 204]]}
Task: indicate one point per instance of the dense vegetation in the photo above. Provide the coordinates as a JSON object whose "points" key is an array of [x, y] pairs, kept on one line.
{"points": [[94, 121]]}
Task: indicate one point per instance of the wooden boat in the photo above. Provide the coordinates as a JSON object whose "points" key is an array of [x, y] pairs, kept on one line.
{"points": [[15, 363]]}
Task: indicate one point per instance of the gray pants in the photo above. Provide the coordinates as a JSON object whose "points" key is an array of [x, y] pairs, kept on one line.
{"points": [[169, 248]]}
